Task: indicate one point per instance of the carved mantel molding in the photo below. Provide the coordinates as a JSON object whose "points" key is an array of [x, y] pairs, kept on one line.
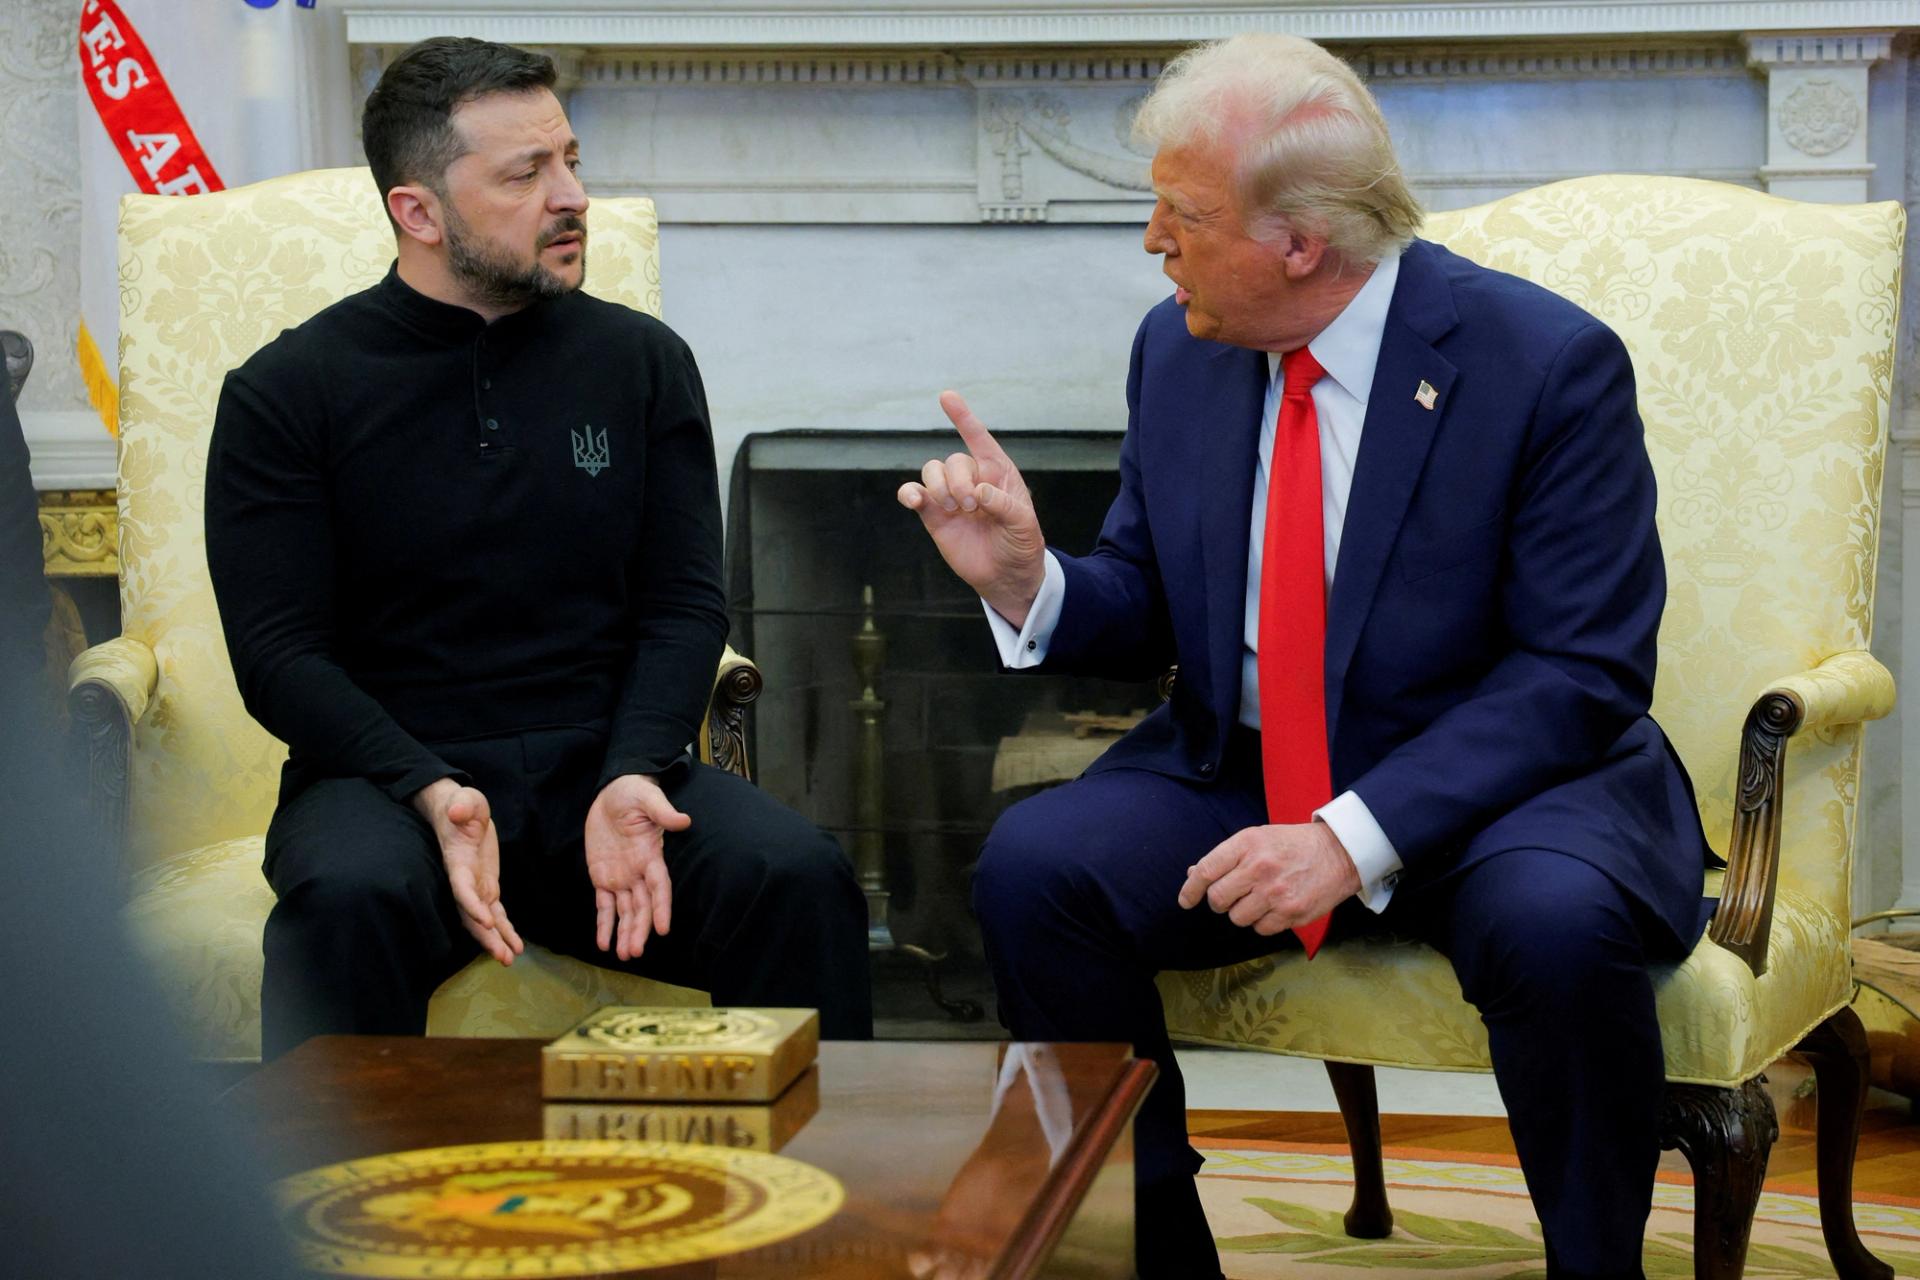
{"points": [[1817, 110], [622, 68], [1049, 79], [662, 24]]}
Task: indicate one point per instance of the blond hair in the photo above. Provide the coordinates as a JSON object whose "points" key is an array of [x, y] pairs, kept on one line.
{"points": [[1313, 149]]}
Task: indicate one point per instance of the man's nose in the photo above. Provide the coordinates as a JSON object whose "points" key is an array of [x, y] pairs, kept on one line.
{"points": [[1156, 239], [569, 194]]}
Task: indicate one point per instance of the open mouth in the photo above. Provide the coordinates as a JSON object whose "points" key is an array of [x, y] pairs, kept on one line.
{"points": [[1182, 295]]}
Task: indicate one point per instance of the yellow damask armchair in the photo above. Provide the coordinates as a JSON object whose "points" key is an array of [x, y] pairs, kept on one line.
{"points": [[182, 779], [1762, 334]]}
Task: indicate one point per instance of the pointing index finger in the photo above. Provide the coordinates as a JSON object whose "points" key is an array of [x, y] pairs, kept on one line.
{"points": [[973, 432]]}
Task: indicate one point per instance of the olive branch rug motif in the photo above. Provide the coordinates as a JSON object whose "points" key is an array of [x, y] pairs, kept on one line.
{"points": [[1276, 1212]]}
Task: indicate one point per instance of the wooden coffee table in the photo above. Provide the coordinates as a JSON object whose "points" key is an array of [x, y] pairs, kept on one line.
{"points": [[939, 1180]]}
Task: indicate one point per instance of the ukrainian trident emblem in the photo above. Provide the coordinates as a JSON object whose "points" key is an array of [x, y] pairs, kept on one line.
{"points": [[591, 454]]}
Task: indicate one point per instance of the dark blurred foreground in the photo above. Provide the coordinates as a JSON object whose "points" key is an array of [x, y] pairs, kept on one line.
{"points": [[118, 1161]]}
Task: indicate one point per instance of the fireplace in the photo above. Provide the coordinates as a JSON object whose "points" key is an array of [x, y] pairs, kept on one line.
{"points": [[886, 718]]}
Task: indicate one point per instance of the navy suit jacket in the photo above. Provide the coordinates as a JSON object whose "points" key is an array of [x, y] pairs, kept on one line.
{"points": [[1491, 630]]}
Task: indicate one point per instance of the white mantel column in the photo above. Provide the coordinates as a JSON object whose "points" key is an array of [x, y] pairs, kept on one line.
{"points": [[1906, 445], [1817, 110]]}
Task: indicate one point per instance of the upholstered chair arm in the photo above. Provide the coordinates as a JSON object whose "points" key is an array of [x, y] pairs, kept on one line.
{"points": [[108, 688], [723, 738], [1846, 689]]}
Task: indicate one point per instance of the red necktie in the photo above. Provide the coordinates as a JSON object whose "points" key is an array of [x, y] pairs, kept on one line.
{"points": [[1293, 616]]}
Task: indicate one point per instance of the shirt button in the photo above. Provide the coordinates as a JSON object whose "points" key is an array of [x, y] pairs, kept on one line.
{"points": [[486, 384], [1032, 645], [493, 424], [1206, 768]]}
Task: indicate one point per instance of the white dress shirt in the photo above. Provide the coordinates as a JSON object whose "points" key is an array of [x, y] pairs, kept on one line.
{"points": [[1347, 349]]}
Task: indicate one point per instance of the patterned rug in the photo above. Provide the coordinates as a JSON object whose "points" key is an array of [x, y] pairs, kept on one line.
{"points": [[1276, 1207]]}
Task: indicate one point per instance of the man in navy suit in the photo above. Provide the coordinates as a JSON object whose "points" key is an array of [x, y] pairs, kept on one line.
{"points": [[1448, 636]]}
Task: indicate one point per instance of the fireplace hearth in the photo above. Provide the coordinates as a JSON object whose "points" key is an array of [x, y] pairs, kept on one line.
{"points": [[886, 718]]}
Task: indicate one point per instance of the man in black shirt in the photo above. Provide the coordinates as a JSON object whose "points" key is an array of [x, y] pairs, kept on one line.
{"points": [[464, 532]]}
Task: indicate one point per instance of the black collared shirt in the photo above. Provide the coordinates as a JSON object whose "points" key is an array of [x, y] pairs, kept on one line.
{"points": [[423, 528]]}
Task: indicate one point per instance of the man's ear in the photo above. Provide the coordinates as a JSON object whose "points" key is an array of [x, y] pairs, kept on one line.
{"points": [[1302, 254], [418, 213]]}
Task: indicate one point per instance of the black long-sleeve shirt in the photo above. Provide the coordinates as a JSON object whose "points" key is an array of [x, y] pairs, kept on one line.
{"points": [[423, 528]]}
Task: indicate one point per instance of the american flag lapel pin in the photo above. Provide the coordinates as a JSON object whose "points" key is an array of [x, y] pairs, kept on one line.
{"points": [[1426, 395]]}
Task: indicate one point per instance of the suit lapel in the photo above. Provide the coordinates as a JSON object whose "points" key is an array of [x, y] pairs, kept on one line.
{"points": [[1394, 442], [1228, 420]]}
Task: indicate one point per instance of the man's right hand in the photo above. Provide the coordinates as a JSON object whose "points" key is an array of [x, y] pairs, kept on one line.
{"points": [[470, 849], [981, 517]]}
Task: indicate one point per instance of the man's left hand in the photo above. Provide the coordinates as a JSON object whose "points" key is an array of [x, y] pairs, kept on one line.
{"points": [[1273, 878], [626, 863]]}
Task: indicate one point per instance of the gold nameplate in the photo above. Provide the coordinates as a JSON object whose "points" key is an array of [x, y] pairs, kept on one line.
{"points": [[746, 1126], [623, 1053]]}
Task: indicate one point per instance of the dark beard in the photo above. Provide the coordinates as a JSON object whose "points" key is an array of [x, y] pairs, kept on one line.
{"points": [[495, 280]]}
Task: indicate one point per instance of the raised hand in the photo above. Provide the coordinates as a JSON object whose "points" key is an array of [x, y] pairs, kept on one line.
{"points": [[981, 516], [627, 864], [470, 850]]}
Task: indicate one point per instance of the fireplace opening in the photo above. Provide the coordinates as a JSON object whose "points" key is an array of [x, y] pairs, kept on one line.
{"points": [[885, 717]]}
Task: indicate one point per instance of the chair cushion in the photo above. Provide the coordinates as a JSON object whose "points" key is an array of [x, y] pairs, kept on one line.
{"points": [[543, 994], [198, 918], [1393, 1002]]}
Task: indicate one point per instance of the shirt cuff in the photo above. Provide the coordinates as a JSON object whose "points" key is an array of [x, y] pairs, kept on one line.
{"points": [[665, 774], [424, 774], [1353, 825], [1028, 646]]}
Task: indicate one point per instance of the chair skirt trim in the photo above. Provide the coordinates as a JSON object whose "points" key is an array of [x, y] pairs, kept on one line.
{"points": [[1734, 1082]]}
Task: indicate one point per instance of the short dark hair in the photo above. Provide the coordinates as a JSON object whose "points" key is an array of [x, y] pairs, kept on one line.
{"points": [[407, 124]]}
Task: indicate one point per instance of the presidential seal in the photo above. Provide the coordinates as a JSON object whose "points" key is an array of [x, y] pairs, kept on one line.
{"points": [[510, 1209]]}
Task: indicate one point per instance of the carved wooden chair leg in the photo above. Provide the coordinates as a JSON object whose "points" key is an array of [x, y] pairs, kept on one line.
{"points": [[1370, 1218], [1837, 1050], [1726, 1135]]}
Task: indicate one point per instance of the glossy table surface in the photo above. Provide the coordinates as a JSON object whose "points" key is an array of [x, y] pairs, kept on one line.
{"points": [[957, 1159]]}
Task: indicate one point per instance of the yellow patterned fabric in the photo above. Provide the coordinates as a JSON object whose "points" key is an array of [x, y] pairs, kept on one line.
{"points": [[197, 918], [542, 994], [122, 665], [204, 283], [1762, 336], [1394, 1002], [1847, 689]]}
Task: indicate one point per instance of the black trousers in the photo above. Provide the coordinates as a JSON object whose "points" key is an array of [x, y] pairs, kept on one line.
{"points": [[1075, 891], [766, 910]]}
